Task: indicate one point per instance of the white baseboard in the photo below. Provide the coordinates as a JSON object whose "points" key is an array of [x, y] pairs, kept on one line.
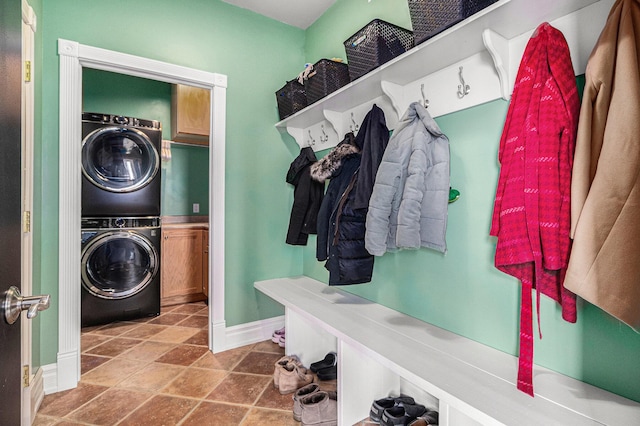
{"points": [[252, 332], [224, 338], [50, 378], [218, 335], [68, 369]]}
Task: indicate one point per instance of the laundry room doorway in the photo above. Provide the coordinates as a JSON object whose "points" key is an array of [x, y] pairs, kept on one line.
{"points": [[74, 58], [124, 185]]}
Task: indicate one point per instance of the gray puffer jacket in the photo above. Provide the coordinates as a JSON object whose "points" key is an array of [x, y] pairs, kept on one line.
{"points": [[408, 206]]}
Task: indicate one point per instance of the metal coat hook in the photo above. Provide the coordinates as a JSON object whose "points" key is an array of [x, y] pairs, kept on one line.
{"points": [[324, 137], [463, 89], [354, 126], [425, 101], [311, 140]]}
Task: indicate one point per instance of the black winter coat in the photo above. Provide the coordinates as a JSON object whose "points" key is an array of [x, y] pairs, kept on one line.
{"points": [[341, 228], [307, 198]]}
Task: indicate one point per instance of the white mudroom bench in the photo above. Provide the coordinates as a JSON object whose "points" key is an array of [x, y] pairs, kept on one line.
{"points": [[383, 352]]}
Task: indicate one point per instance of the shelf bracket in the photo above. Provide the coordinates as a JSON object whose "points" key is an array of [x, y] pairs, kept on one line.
{"points": [[298, 134], [498, 48], [395, 93], [335, 119]]}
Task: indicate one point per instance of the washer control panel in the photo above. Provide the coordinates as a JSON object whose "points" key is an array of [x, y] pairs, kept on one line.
{"points": [[120, 222]]}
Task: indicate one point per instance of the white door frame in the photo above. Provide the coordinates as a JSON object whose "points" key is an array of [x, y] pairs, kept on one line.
{"points": [[31, 392], [73, 58]]}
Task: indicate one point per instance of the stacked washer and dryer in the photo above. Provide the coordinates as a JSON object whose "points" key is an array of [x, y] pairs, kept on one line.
{"points": [[120, 218]]}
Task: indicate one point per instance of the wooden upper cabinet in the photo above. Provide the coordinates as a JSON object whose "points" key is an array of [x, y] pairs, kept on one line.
{"points": [[190, 114]]}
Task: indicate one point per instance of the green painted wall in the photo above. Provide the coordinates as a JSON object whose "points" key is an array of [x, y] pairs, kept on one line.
{"points": [[119, 94], [185, 180], [257, 54], [462, 291], [326, 36], [185, 176]]}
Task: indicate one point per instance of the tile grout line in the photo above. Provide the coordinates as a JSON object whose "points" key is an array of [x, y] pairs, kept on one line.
{"points": [[228, 364]]}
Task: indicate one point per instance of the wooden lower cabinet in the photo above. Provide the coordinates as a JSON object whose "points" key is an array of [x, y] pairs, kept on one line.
{"points": [[205, 263], [183, 272]]}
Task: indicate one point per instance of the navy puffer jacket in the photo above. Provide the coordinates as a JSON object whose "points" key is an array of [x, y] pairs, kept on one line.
{"points": [[341, 228]]}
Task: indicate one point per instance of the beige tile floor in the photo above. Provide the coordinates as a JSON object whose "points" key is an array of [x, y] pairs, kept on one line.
{"points": [[158, 371]]}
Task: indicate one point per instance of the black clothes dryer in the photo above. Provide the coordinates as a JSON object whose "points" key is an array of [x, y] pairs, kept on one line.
{"points": [[120, 166], [120, 269]]}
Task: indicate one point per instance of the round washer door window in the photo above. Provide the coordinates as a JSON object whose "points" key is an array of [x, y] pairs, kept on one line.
{"points": [[118, 264], [119, 159]]}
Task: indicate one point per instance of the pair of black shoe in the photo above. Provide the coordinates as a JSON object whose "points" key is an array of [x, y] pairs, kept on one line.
{"points": [[327, 368], [403, 410]]}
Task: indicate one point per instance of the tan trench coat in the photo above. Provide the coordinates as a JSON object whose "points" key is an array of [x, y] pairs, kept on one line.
{"points": [[604, 267]]}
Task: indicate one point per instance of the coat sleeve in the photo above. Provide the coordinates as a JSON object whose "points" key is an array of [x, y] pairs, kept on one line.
{"points": [[301, 197], [376, 140], [385, 190], [323, 229], [588, 146], [408, 233]]}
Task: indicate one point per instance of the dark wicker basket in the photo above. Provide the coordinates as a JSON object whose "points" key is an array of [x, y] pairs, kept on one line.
{"points": [[430, 17], [376, 43], [327, 77], [291, 98]]}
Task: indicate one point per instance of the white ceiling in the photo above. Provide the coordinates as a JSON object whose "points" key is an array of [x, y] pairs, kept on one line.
{"points": [[299, 13]]}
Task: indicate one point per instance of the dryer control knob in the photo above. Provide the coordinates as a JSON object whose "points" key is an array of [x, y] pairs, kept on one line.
{"points": [[118, 119], [119, 222]]}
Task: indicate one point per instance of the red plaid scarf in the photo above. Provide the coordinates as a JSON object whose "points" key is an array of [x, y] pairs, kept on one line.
{"points": [[532, 211]]}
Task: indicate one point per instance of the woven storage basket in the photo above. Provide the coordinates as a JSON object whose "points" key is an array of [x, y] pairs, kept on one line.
{"points": [[429, 17], [376, 43], [327, 77], [291, 99]]}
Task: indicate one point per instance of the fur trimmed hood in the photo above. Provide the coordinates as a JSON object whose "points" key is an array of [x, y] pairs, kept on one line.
{"points": [[330, 164]]}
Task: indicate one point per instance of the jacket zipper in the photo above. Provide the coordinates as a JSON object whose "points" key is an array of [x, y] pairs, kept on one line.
{"points": [[340, 205]]}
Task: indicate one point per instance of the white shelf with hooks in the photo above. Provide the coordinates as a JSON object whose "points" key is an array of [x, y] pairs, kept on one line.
{"points": [[488, 45]]}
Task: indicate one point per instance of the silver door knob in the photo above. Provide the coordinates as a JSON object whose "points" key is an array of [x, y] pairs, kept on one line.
{"points": [[14, 303]]}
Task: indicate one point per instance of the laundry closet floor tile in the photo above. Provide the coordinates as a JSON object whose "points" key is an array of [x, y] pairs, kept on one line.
{"points": [[113, 347], [260, 417], [168, 319], [221, 361], [148, 351], [67, 401], [144, 331], [183, 355], [258, 363], [201, 338], [112, 372], [110, 407], [240, 388], [174, 334], [158, 370], [195, 321], [195, 383], [89, 362], [223, 414], [151, 378], [160, 410]]}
